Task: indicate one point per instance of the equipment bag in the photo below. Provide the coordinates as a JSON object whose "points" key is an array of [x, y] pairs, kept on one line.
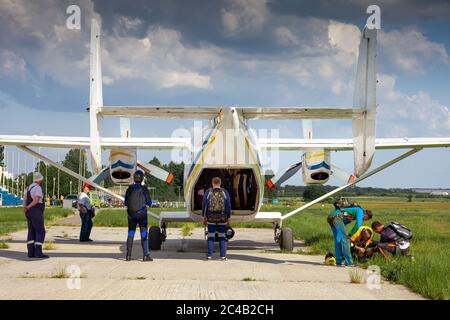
{"points": [[216, 206], [402, 231], [136, 200]]}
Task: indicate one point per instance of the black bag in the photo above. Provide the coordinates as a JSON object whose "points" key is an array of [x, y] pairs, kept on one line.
{"points": [[402, 231], [215, 212], [136, 200]]}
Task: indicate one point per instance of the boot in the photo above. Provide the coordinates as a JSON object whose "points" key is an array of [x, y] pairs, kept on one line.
{"points": [[38, 252], [30, 248], [129, 248], [146, 256]]}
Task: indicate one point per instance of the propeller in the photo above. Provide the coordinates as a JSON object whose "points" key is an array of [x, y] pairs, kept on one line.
{"points": [[342, 175], [156, 171], [98, 178], [281, 177]]}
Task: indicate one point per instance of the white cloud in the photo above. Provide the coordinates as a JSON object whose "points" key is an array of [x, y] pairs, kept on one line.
{"points": [[410, 51], [244, 16], [160, 58], [410, 115], [193, 79], [344, 36]]}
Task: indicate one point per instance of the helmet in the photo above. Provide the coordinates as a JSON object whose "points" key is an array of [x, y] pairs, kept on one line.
{"points": [[138, 176], [330, 260], [229, 233]]}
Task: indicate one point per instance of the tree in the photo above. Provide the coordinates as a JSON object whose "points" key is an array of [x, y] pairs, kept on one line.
{"points": [[313, 191], [2, 155]]}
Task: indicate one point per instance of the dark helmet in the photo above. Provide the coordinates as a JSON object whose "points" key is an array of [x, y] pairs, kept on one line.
{"points": [[138, 176]]}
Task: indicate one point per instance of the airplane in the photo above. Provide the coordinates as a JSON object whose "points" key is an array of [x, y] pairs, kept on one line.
{"points": [[229, 148]]}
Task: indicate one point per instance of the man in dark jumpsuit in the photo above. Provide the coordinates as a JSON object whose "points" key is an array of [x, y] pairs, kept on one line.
{"points": [[137, 198], [33, 207]]}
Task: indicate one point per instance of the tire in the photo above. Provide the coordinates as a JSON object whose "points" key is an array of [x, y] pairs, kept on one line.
{"points": [[154, 238], [286, 239]]}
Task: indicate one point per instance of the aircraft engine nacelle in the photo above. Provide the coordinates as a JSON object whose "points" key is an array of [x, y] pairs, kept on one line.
{"points": [[316, 167], [122, 164]]}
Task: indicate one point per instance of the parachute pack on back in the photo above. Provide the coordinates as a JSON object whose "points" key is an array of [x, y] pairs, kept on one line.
{"points": [[346, 203], [136, 199], [401, 230], [216, 206]]}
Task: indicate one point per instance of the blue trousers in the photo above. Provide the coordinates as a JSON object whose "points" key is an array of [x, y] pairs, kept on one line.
{"points": [[220, 229], [341, 241], [86, 226], [36, 230], [141, 220]]}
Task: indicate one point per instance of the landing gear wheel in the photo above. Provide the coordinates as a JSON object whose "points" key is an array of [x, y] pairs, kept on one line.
{"points": [[154, 238], [286, 239]]}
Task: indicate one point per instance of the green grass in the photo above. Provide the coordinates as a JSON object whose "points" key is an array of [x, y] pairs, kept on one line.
{"points": [[13, 219], [4, 245]]}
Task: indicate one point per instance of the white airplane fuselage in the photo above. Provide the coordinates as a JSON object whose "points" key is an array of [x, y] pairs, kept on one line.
{"points": [[229, 150]]}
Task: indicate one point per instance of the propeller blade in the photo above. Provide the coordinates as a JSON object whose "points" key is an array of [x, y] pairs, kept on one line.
{"points": [[99, 177], [283, 176], [156, 171], [342, 175]]}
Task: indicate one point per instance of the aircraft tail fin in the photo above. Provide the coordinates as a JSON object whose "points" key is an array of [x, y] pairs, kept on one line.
{"points": [[96, 96], [365, 98]]}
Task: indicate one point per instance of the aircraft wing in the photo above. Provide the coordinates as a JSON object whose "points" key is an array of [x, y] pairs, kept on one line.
{"points": [[84, 142], [253, 113], [273, 113], [160, 112], [347, 144]]}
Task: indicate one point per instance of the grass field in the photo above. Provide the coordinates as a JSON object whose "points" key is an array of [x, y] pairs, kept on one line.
{"points": [[13, 219]]}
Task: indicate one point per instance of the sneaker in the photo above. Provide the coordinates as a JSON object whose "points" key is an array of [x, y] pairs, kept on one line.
{"points": [[147, 258], [90, 240], [208, 258], [223, 258], [128, 258]]}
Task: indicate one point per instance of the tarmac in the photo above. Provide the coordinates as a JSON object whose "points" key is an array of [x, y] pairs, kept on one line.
{"points": [[256, 269]]}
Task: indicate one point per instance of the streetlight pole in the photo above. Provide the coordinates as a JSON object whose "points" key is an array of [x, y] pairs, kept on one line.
{"points": [[70, 186]]}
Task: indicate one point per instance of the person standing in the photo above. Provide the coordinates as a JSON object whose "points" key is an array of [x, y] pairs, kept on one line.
{"points": [[137, 198], [216, 210], [33, 207], [87, 212]]}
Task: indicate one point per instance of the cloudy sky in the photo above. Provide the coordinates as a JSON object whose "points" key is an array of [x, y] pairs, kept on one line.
{"points": [[236, 53]]}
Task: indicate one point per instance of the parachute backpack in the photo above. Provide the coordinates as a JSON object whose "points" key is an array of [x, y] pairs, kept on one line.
{"points": [[402, 231], [346, 203], [136, 200], [216, 206]]}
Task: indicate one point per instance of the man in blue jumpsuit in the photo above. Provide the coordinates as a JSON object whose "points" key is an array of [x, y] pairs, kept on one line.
{"points": [[338, 219], [33, 207], [137, 198], [216, 210]]}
